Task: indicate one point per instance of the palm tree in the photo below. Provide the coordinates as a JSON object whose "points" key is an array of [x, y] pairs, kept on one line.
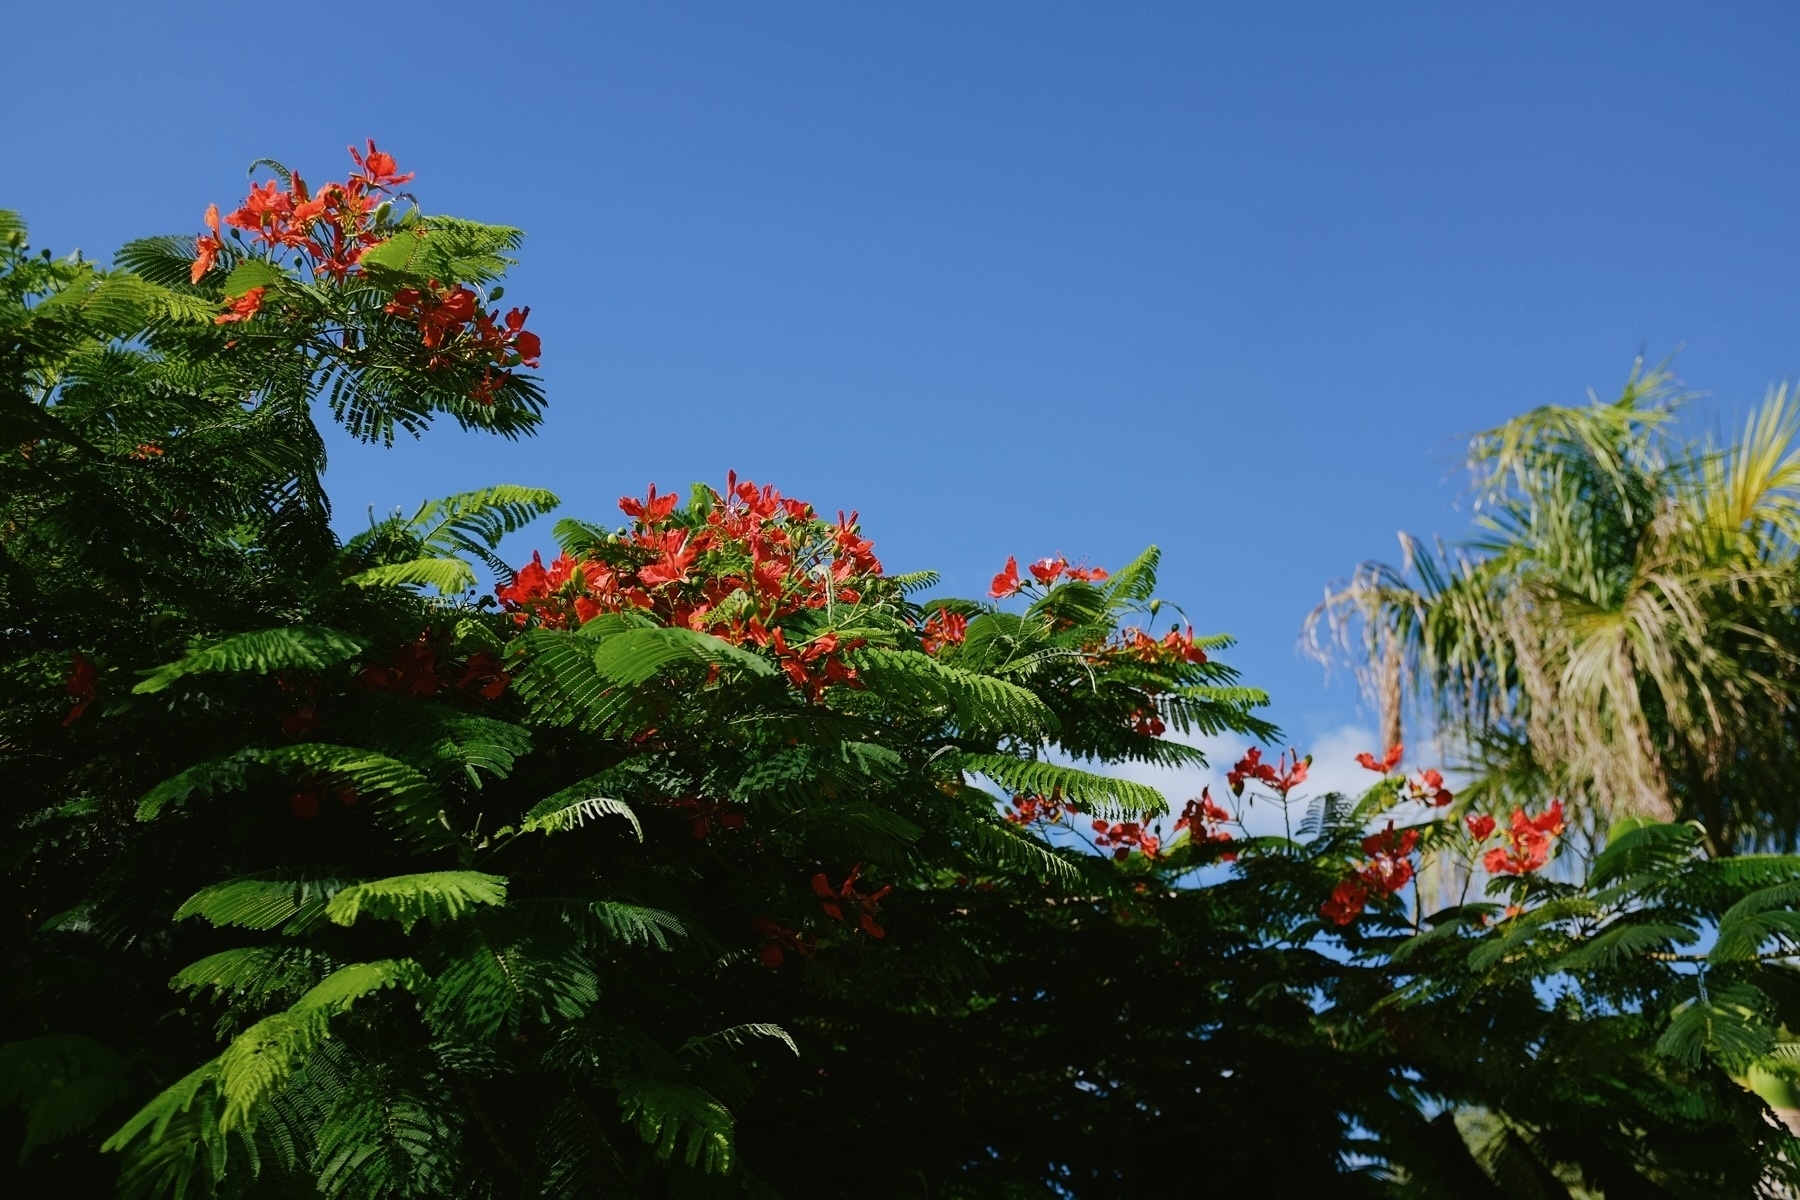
{"points": [[1622, 629]]}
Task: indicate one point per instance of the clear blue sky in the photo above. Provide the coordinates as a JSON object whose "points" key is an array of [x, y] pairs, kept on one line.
{"points": [[1008, 278]]}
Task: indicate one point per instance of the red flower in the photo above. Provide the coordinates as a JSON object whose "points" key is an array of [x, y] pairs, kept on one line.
{"points": [[675, 558], [652, 510], [1347, 901], [413, 673], [1389, 868], [1180, 644], [777, 938], [1381, 766], [145, 451], [243, 308], [702, 814], [1125, 835], [1006, 582], [1028, 809], [1251, 766], [1286, 778], [207, 247], [1480, 826], [1086, 574], [1202, 819], [1429, 786], [943, 628], [305, 803], [83, 677], [378, 168], [835, 901], [483, 675], [1046, 570], [1148, 722], [1527, 844], [1550, 821]]}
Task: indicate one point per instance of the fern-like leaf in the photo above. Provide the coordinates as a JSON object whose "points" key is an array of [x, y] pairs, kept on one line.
{"points": [[296, 647], [1102, 795], [435, 896]]}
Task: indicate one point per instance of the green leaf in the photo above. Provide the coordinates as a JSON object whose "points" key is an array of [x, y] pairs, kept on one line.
{"points": [[679, 1120], [1102, 795], [252, 273], [293, 902], [450, 576], [435, 896], [261, 1060], [635, 656], [412, 803], [295, 647], [569, 809], [62, 1082], [1732, 1026], [738, 1036], [978, 703]]}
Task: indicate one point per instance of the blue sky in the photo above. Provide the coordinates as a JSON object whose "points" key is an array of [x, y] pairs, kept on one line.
{"points": [[1009, 278]]}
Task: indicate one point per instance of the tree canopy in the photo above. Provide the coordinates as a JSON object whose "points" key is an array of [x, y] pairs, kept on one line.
{"points": [[711, 858]]}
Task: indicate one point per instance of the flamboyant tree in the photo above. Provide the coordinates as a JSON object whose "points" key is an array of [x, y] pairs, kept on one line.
{"points": [[710, 857]]}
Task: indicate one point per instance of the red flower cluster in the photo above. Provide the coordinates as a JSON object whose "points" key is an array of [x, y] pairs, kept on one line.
{"points": [[1385, 765], [330, 228], [83, 678], [771, 553], [836, 901], [943, 628], [1029, 809], [703, 813], [1147, 721], [1204, 821], [1527, 843], [454, 328], [1278, 775], [1046, 571], [777, 939], [1126, 836], [414, 672], [1388, 869], [1176, 646]]}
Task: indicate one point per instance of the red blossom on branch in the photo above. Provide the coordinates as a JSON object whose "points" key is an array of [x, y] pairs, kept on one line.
{"points": [[703, 814], [1029, 809], [1387, 870], [650, 511], [243, 308], [1429, 787], [943, 628], [1127, 836], [1527, 844], [1384, 765], [845, 899], [779, 941], [1204, 821], [1007, 582], [1279, 775], [82, 685]]}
